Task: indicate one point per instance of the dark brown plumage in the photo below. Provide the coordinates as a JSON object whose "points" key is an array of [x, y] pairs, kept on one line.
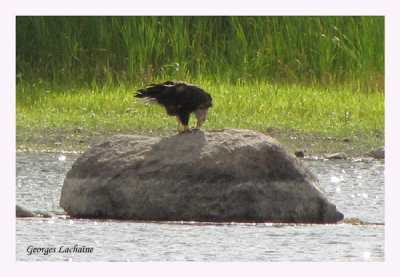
{"points": [[180, 99]]}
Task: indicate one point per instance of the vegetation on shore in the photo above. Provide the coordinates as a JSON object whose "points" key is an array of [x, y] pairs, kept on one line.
{"points": [[287, 111], [310, 81]]}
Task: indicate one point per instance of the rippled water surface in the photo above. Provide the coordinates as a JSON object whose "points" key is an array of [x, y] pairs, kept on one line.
{"points": [[355, 187]]}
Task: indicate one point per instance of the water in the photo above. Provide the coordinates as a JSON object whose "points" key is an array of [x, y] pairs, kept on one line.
{"points": [[355, 187]]}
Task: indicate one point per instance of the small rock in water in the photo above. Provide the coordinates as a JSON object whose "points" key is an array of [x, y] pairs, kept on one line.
{"points": [[337, 156], [21, 212]]}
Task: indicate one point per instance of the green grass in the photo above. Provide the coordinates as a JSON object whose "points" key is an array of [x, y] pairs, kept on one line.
{"points": [[328, 51], [261, 107]]}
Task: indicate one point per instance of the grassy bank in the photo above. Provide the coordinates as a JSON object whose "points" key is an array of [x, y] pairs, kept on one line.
{"points": [[310, 119], [312, 82]]}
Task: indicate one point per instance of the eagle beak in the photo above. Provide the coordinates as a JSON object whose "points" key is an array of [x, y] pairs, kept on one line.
{"points": [[201, 116]]}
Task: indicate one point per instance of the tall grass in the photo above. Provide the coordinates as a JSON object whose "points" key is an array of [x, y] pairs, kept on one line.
{"points": [[334, 51]]}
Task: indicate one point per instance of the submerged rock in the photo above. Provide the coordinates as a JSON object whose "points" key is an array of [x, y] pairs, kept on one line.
{"points": [[222, 175]]}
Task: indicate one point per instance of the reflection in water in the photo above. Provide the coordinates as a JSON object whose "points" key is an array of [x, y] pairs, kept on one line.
{"points": [[356, 188]]}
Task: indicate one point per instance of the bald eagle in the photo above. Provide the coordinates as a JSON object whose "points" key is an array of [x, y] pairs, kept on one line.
{"points": [[180, 99]]}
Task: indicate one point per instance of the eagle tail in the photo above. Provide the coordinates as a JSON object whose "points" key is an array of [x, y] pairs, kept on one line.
{"points": [[147, 100], [151, 94]]}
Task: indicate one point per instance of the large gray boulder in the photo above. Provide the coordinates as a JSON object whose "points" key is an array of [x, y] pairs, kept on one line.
{"points": [[222, 175]]}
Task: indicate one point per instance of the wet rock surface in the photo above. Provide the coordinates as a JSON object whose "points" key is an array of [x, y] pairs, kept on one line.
{"points": [[221, 175]]}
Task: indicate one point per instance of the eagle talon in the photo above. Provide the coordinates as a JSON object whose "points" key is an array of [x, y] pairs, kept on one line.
{"points": [[187, 131]]}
